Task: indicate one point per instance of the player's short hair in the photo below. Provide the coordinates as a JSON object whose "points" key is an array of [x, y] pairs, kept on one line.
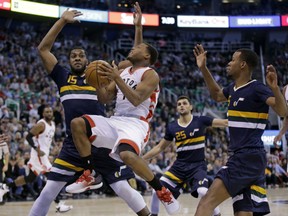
{"points": [[183, 97], [250, 57], [46, 107], [74, 48], [153, 53]]}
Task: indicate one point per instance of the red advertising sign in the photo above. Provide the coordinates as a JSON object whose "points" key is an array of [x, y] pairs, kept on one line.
{"points": [[5, 4], [127, 18], [284, 20]]}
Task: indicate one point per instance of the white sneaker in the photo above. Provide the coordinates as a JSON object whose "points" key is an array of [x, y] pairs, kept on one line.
{"points": [[3, 190], [62, 208], [171, 205], [87, 181]]}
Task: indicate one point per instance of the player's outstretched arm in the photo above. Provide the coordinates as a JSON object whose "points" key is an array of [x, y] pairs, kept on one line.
{"points": [[277, 102], [220, 123], [138, 38], [284, 127], [47, 42], [214, 89], [137, 20], [163, 144], [282, 131]]}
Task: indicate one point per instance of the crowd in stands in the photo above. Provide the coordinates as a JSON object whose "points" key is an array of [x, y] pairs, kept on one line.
{"points": [[278, 54], [25, 85]]}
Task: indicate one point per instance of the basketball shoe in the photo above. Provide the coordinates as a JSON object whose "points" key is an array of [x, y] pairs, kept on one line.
{"points": [[87, 181], [3, 190], [61, 207], [171, 205]]}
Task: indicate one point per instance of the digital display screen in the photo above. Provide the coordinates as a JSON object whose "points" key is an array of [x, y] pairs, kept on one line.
{"points": [[203, 21], [284, 20], [89, 15], [254, 21], [127, 18], [168, 20], [5, 4], [33, 8]]}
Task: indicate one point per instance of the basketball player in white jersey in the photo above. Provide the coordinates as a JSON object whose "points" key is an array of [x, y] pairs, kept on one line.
{"points": [[136, 90], [284, 127], [40, 138]]}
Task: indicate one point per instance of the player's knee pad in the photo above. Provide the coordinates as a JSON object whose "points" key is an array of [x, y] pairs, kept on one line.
{"points": [[30, 178], [201, 191]]}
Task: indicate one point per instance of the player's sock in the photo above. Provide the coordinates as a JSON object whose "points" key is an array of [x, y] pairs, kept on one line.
{"points": [[88, 163], [155, 183]]}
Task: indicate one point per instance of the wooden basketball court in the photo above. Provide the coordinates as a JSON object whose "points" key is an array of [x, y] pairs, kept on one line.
{"points": [[278, 199]]}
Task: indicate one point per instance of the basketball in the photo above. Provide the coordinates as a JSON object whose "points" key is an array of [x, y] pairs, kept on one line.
{"points": [[92, 77]]}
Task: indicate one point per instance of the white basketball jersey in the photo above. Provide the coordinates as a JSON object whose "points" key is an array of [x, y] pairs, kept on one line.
{"points": [[44, 139], [123, 105]]}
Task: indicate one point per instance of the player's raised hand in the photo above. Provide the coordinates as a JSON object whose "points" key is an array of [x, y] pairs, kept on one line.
{"points": [[271, 76], [200, 55], [137, 15], [69, 15], [277, 140], [108, 71]]}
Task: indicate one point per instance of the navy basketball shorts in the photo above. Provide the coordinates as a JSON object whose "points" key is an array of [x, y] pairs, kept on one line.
{"points": [[67, 167], [181, 173], [244, 179]]}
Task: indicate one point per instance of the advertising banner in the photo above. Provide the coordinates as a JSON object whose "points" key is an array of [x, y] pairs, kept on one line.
{"points": [[127, 18], [5, 4], [284, 20], [203, 21], [254, 21], [89, 15], [34, 8]]}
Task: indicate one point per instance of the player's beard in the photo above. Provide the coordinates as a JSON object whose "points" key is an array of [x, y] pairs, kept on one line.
{"points": [[48, 118], [78, 72]]}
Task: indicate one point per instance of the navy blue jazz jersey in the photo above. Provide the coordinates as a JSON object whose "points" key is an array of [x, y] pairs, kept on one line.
{"points": [[190, 140], [247, 114], [77, 98], [247, 119]]}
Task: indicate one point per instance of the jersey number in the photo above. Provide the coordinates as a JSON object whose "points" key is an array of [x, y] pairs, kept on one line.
{"points": [[72, 79], [180, 135]]}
